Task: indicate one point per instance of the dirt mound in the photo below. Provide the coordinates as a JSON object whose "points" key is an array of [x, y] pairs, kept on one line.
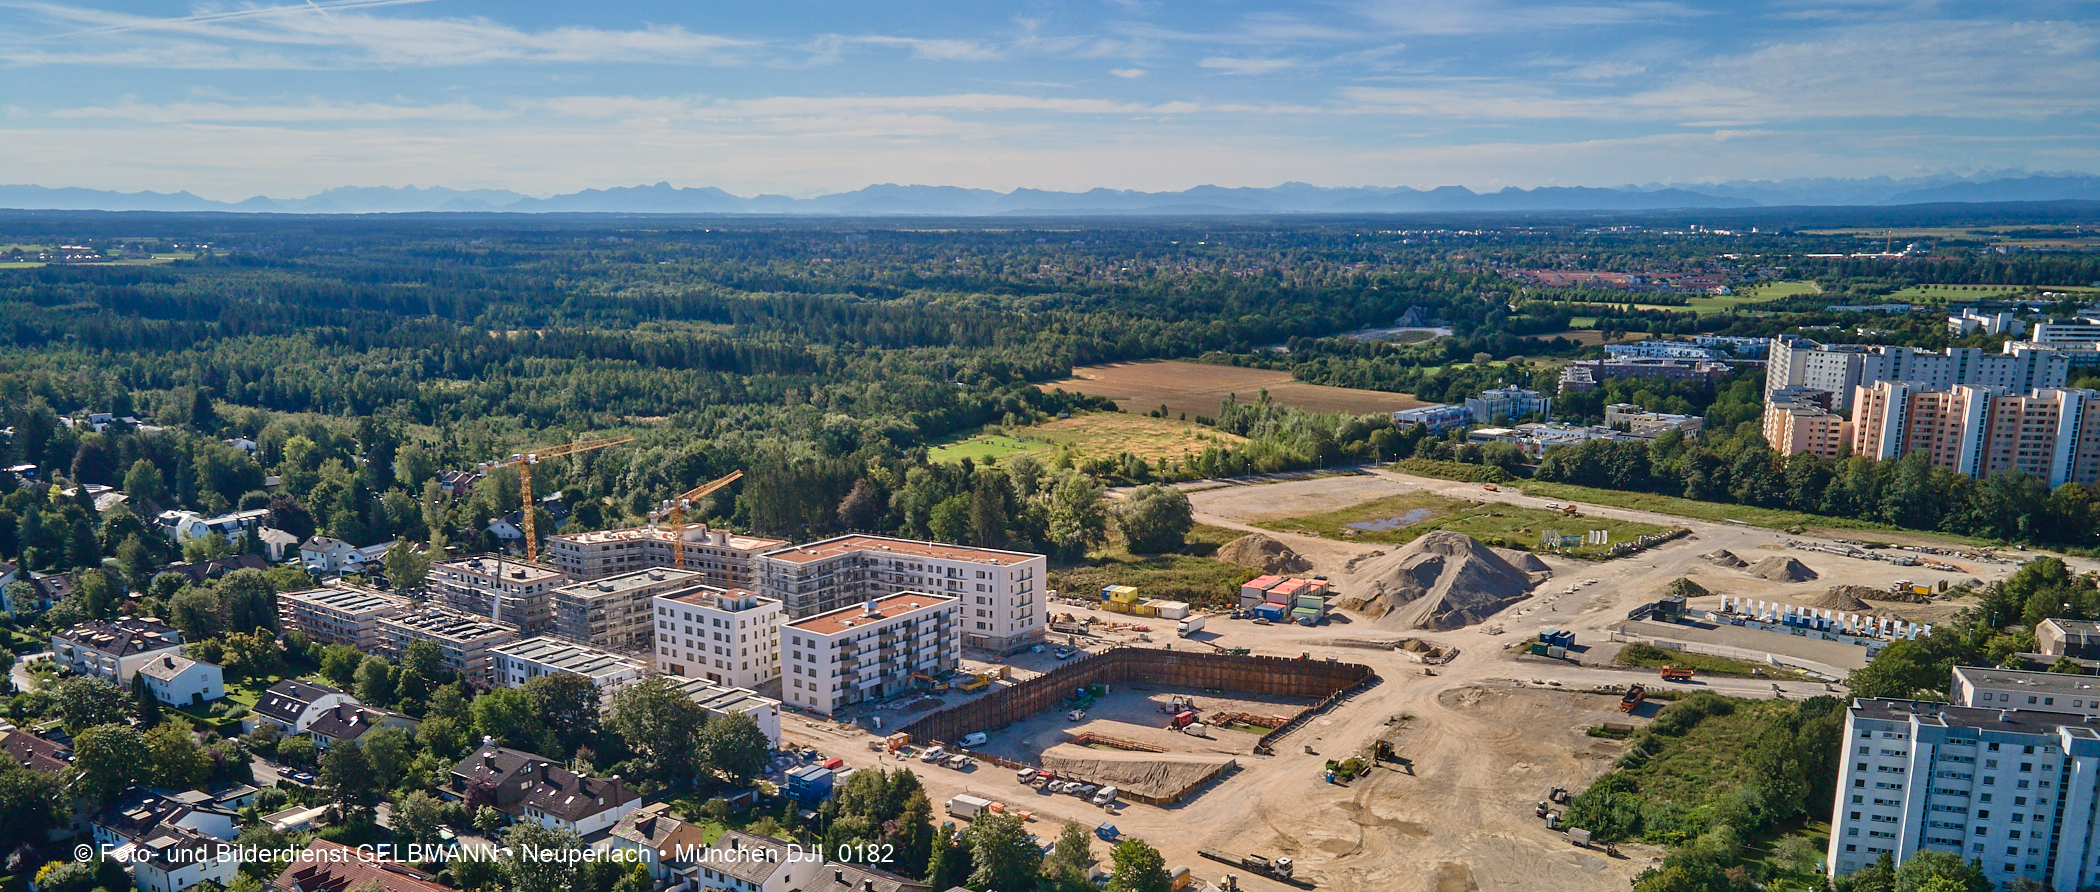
{"points": [[1685, 588], [1263, 552], [1724, 558], [1523, 560], [1782, 569], [1359, 560], [1160, 775], [1841, 597], [1875, 594], [1440, 582]]}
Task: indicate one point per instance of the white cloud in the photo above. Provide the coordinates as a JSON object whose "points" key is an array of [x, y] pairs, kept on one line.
{"points": [[831, 46], [1127, 73], [1247, 66]]}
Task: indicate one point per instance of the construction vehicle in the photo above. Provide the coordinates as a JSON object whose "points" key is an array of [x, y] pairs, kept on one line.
{"points": [[977, 683], [674, 510], [1181, 720], [1190, 626], [524, 461], [932, 684], [1632, 698], [1673, 673], [1278, 869]]}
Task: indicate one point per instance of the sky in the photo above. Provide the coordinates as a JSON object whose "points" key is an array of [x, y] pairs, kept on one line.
{"points": [[231, 100]]}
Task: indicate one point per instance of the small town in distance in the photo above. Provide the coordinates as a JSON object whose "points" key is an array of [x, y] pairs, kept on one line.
{"points": [[1145, 556]]}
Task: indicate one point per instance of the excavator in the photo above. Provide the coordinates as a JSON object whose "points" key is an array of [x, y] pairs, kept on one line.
{"points": [[524, 461], [674, 510]]}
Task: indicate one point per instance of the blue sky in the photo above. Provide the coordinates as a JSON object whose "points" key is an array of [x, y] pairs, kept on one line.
{"points": [[230, 100]]}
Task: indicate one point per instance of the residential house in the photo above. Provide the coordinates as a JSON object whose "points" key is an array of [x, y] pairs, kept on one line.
{"points": [[114, 649], [747, 862], [325, 866], [293, 705], [201, 572], [277, 545], [184, 525], [171, 859], [180, 681], [529, 787], [835, 877], [36, 753], [458, 483], [139, 811], [660, 840], [350, 721]]}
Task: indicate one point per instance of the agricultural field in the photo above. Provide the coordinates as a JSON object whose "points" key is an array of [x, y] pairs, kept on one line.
{"points": [[1717, 303], [1193, 389], [1092, 435], [1403, 518], [1591, 337], [1931, 293]]}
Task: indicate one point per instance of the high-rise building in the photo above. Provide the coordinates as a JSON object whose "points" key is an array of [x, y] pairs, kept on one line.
{"points": [[868, 651], [723, 559], [2013, 789], [1003, 607], [727, 637], [1794, 427], [2052, 434], [510, 593], [1840, 368], [614, 612]]}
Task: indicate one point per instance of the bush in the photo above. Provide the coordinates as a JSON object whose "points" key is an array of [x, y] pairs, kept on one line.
{"points": [[1677, 718], [1452, 470]]}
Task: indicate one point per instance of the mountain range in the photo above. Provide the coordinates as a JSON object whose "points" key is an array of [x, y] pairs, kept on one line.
{"points": [[1289, 198]]}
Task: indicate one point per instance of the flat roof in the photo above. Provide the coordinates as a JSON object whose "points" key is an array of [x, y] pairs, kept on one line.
{"points": [[1947, 715], [851, 617], [742, 543], [444, 622], [486, 565], [630, 581], [844, 545], [2019, 679], [709, 596], [717, 697], [568, 656], [349, 599]]}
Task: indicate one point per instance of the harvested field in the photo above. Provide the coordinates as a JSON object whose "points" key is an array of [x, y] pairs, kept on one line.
{"points": [[1402, 518], [1199, 388]]}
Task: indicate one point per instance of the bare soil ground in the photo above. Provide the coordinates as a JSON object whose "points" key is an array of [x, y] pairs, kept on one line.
{"points": [[1133, 712], [1198, 388]]}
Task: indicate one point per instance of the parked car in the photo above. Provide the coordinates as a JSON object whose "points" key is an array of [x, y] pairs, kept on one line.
{"points": [[298, 777], [1064, 653]]}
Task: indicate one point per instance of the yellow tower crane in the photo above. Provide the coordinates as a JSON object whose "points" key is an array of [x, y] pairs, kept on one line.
{"points": [[674, 511], [524, 461]]}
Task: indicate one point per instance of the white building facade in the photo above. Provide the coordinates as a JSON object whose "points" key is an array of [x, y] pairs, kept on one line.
{"points": [[869, 652], [726, 637], [1000, 594]]}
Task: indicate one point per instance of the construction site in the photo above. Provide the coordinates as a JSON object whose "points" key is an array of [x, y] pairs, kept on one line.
{"points": [[1427, 779]]}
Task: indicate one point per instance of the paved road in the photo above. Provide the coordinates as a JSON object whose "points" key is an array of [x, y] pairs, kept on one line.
{"points": [[20, 673]]}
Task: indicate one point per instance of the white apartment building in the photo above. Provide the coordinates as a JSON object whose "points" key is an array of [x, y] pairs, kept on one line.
{"points": [[463, 641], [1003, 607], [1988, 688], [717, 699], [114, 650], [2066, 332], [2013, 789], [180, 681], [510, 593], [521, 661], [345, 614], [726, 637], [614, 612], [869, 652], [722, 558], [1839, 368]]}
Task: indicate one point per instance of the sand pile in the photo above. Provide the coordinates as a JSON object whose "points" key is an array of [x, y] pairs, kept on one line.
{"points": [[1782, 569], [1160, 775], [1264, 553], [1724, 558], [1685, 588], [1442, 581], [1839, 598], [1532, 565]]}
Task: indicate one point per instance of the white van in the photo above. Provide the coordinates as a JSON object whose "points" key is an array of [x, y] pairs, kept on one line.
{"points": [[975, 738], [1105, 796]]}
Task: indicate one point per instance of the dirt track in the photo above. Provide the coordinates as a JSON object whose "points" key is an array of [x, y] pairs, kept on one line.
{"points": [[1486, 736]]}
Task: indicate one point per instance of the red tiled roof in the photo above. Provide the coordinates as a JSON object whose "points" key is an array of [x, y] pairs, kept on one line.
{"points": [[333, 867]]}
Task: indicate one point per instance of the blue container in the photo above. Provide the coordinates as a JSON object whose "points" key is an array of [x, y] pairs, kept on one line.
{"points": [[1271, 612]]}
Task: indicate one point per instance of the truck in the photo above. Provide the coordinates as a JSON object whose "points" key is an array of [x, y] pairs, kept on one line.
{"points": [[1278, 869], [1182, 720], [1632, 698], [1189, 626], [967, 807], [1673, 673]]}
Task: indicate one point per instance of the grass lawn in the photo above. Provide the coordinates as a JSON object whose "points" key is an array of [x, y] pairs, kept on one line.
{"points": [[1773, 518], [1954, 292], [1405, 517], [1191, 575], [1716, 303], [1707, 762], [1644, 656], [1090, 435]]}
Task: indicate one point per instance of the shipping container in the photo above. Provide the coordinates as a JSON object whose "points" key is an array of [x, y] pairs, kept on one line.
{"points": [[1172, 609]]}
